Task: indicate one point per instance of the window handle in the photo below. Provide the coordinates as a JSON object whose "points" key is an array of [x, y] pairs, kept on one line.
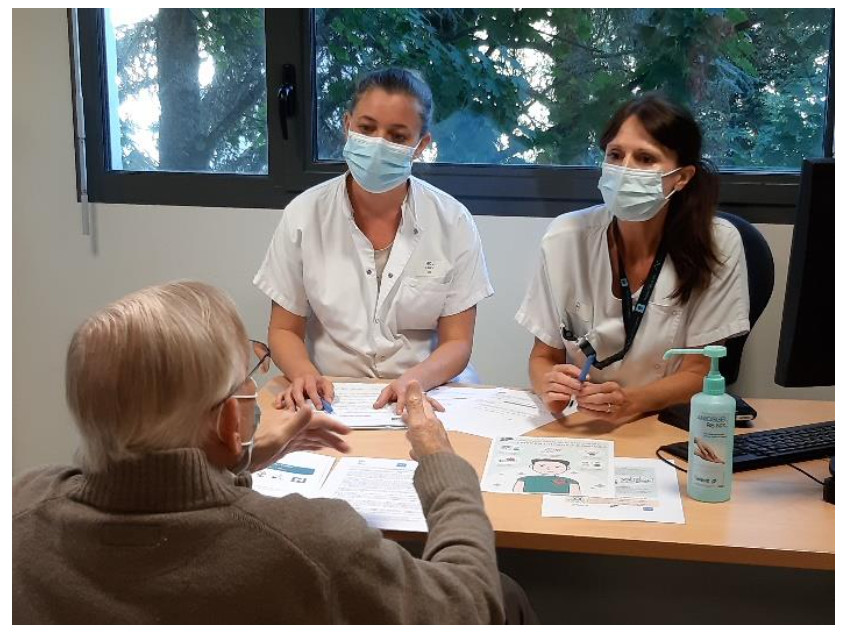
{"points": [[286, 97]]}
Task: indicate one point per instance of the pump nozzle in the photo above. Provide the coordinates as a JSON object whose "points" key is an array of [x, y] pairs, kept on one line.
{"points": [[714, 381]]}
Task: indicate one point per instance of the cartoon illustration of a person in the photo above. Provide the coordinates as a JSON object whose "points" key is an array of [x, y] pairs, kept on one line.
{"points": [[550, 479]]}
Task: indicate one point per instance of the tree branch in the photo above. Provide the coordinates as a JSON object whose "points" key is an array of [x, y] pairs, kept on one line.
{"points": [[234, 113]]}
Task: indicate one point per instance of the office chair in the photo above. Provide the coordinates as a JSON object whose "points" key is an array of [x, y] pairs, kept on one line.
{"points": [[761, 281]]}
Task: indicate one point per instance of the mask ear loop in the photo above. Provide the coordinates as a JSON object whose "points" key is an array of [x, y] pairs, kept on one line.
{"points": [[244, 462], [663, 176]]}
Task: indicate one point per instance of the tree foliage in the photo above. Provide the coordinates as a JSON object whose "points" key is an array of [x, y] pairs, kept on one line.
{"points": [[515, 86], [227, 130]]}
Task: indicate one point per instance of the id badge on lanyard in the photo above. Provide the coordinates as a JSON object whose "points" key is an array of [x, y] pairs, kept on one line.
{"points": [[632, 311]]}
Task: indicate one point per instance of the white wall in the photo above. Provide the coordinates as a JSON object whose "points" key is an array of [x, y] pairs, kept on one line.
{"points": [[58, 279]]}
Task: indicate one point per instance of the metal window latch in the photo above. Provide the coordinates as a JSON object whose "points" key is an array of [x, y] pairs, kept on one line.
{"points": [[286, 97]]}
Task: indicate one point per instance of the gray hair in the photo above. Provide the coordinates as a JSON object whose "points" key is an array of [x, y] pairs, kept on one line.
{"points": [[144, 373]]}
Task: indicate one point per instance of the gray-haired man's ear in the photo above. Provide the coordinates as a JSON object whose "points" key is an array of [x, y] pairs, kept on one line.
{"points": [[223, 445]]}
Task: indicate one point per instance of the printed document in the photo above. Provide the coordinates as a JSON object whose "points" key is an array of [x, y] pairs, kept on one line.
{"points": [[380, 490], [353, 404], [490, 412], [646, 490], [550, 466], [298, 472]]}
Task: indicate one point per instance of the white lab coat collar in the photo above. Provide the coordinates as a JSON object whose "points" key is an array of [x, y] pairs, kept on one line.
{"points": [[409, 207]]}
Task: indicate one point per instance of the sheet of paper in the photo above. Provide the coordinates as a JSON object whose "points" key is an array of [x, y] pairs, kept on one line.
{"points": [[646, 490], [551, 466], [353, 405], [490, 412], [298, 472], [380, 490], [451, 396]]}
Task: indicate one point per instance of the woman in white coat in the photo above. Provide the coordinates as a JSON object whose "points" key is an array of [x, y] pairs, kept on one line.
{"points": [[379, 271], [651, 269]]}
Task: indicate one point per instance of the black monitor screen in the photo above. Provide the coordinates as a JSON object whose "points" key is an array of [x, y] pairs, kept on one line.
{"points": [[806, 351]]}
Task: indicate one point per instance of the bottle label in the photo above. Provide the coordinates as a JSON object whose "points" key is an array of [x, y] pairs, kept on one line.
{"points": [[709, 452]]}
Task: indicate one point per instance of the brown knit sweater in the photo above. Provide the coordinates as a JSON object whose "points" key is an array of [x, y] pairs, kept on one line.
{"points": [[168, 538]]}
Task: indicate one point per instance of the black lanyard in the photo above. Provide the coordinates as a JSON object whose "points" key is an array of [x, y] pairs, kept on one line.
{"points": [[632, 311]]}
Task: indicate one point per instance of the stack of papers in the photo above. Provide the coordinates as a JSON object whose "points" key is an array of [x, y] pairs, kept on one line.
{"points": [[578, 478], [487, 412], [380, 490]]}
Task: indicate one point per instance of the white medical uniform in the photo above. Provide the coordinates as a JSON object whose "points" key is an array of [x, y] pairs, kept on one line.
{"points": [[321, 266], [573, 289]]}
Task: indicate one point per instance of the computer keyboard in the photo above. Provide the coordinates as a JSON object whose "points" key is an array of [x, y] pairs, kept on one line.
{"points": [[759, 449]]}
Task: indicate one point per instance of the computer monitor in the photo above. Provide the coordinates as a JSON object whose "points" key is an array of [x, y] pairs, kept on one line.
{"points": [[806, 352]]}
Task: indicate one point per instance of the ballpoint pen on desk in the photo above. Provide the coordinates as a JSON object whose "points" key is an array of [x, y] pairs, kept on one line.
{"points": [[573, 406]]}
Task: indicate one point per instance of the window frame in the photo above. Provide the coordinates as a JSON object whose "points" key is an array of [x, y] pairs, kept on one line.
{"points": [[523, 190]]}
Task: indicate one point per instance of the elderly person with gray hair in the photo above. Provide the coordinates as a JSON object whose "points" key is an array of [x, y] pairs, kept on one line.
{"points": [[156, 525]]}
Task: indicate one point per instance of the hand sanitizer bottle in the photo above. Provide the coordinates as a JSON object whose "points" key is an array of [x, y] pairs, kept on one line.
{"points": [[710, 449]]}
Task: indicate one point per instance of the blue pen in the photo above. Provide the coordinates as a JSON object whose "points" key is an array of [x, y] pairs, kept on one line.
{"points": [[572, 404], [327, 406], [587, 368]]}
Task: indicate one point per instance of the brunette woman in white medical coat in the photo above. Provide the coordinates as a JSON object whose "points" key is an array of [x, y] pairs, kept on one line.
{"points": [[650, 269]]}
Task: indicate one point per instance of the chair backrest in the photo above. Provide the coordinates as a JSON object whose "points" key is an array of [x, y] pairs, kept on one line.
{"points": [[761, 281]]}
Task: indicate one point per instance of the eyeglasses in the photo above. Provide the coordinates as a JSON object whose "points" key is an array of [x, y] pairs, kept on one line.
{"points": [[259, 360]]}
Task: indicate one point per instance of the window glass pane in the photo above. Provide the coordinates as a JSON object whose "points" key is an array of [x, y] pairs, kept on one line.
{"points": [[537, 86], [187, 89]]}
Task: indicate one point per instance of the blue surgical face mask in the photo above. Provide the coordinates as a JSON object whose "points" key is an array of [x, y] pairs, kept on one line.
{"points": [[377, 164], [632, 194]]}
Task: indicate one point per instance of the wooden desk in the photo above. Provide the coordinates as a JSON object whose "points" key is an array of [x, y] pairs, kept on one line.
{"points": [[776, 516]]}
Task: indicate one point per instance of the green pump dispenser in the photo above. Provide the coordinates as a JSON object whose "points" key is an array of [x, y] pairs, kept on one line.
{"points": [[714, 381], [710, 447]]}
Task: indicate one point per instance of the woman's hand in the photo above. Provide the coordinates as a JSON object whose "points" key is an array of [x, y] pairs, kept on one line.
{"points": [[609, 400], [311, 386], [395, 392], [559, 385]]}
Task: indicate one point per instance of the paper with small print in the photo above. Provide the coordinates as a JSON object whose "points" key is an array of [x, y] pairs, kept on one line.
{"points": [[550, 466], [353, 404], [490, 412], [298, 472], [379, 489], [646, 490]]}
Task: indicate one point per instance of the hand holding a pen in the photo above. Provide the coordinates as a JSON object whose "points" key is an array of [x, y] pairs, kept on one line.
{"points": [[610, 400], [313, 387], [561, 384]]}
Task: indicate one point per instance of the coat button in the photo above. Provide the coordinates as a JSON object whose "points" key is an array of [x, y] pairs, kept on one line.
{"points": [[390, 275], [368, 272]]}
